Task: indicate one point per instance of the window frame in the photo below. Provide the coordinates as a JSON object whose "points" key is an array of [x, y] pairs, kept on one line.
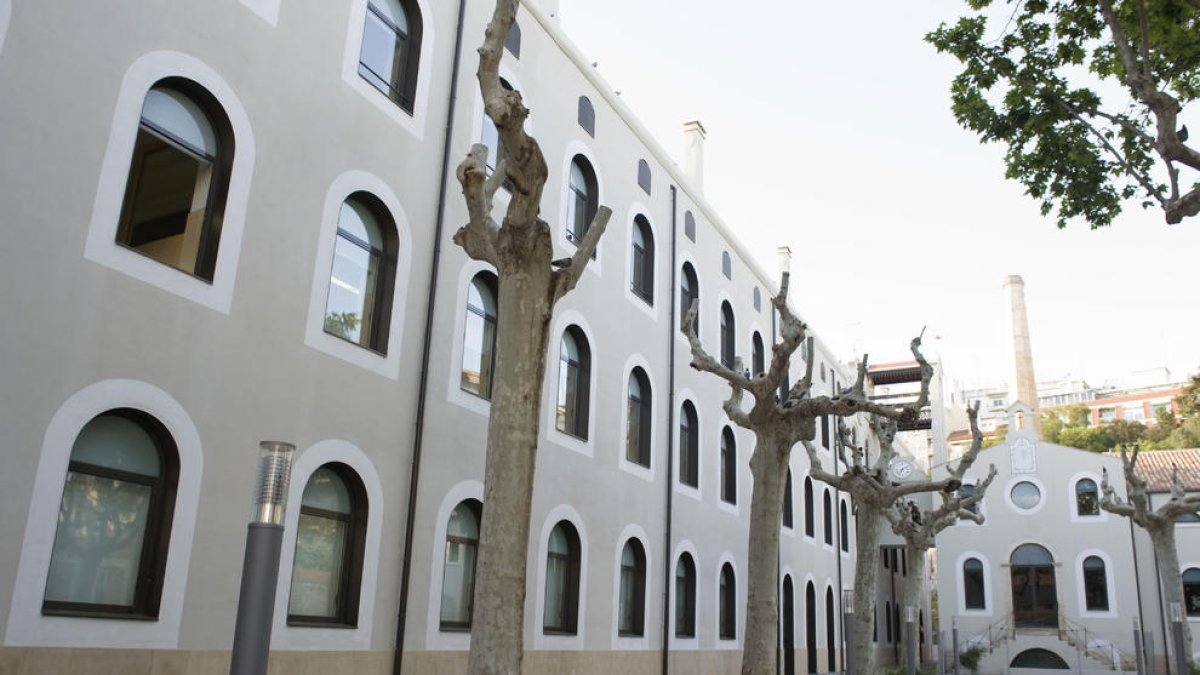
{"points": [[475, 507], [827, 517], [579, 424], [689, 472], [728, 492], [590, 199], [385, 281], [491, 282], [685, 621], [789, 515], [572, 563], [726, 603], [810, 520], [638, 580], [641, 260], [1088, 578], [689, 294], [1191, 609], [404, 91], [728, 323], [639, 450]]}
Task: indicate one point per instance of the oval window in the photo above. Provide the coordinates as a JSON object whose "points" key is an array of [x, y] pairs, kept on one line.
{"points": [[1025, 495]]}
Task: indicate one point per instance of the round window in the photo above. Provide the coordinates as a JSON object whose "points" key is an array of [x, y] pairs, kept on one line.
{"points": [[1025, 495]]}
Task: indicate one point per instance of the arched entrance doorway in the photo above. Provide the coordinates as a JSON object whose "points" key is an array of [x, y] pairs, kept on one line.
{"points": [[1034, 596], [810, 626], [1041, 659], [789, 627]]}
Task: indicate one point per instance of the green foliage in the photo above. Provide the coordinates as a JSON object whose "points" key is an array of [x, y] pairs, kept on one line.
{"points": [[1189, 400], [1044, 88], [342, 324], [1085, 438], [970, 657], [1001, 434]]}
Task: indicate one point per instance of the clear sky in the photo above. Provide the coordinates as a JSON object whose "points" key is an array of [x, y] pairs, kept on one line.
{"points": [[829, 130]]}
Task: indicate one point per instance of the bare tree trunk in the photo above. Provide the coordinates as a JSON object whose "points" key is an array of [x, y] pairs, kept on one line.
{"points": [[1167, 560], [522, 335], [866, 579], [769, 469], [913, 585]]}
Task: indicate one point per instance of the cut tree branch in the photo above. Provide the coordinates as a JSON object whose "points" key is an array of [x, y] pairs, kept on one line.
{"points": [[566, 278]]}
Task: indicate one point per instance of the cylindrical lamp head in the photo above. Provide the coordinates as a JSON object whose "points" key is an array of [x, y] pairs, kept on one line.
{"points": [[848, 600], [1176, 611], [910, 614], [270, 492]]}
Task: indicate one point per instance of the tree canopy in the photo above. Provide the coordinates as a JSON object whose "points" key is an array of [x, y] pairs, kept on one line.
{"points": [[1088, 97]]}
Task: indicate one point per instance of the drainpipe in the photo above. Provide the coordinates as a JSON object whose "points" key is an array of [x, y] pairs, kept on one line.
{"points": [[1137, 581], [423, 386], [779, 656], [667, 571]]}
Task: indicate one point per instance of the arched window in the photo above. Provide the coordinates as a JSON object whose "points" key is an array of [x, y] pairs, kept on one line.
{"points": [[1087, 497], [689, 294], [391, 49], [479, 336], [114, 522], [641, 264], [561, 609], [973, 584], [789, 518], [582, 198], [844, 522], [685, 597], [689, 445], [330, 537], [830, 632], [728, 466], [758, 362], [643, 176], [587, 116], [178, 178], [809, 508], [1095, 584], [727, 604], [458, 570], [727, 335], [827, 503], [637, 418], [574, 383], [358, 307], [810, 626], [1039, 659], [887, 620], [512, 41], [1191, 591], [689, 226], [631, 613], [490, 136]]}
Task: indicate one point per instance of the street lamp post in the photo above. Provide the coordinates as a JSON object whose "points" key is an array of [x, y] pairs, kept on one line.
{"points": [[260, 568], [910, 637], [1176, 611], [954, 641], [848, 629]]}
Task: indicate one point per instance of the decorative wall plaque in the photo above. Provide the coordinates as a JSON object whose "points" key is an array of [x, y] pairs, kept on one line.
{"points": [[1022, 456]]}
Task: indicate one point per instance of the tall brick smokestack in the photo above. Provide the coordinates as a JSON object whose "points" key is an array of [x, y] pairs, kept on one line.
{"points": [[1024, 385]]}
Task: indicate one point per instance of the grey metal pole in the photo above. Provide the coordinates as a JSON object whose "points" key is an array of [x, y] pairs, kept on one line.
{"points": [[260, 567], [910, 638], [848, 628], [1176, 611], [954, 639], [1138, 658]]}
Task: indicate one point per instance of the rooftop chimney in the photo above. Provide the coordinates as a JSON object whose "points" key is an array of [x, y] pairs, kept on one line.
{"points": [[693, 152], [785, 259], [1024, 386]]}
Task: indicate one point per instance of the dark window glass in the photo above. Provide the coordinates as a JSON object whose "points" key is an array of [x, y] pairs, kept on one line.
{"points": [[358, 305], [887, 621], [642, 260], [574, 383], [727, 609], [726, 265], [587, 116], [728, 466], [685, 597], [512, 41], [758, 354], [479, 339], [845, 525], [582, 199], [689, 226], [458, 568], [830, 632], [689, 445], [561, 608], [809, 507], [973, 589], [689, 294], [178, 178], [1039, 659], [788, 515], [903, 563], [114, 521], [727, 335], [1095, 584], [827, 502], [825, 431], [757, 299], [967, 491], [643, 176], [330, 538], [1087, 497], [391, 49], [638, 418], [1191, 591], [631, 612]]}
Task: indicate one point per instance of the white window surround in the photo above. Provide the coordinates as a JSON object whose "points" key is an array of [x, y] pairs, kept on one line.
{"points": [[26, 625], [562, 245], [560, 642], [267, 10], [1072, 511], [633, 531], [651, 310], [1026, 478], [739, 604], [677, 320], [643, 472], [436, 639], [1109, 584], [101, 246], [454, 391], [560, 323], [687, 643], [680, 487], [5, 17], [387, 365], [412, 123], [960, 593], [307, 638]]}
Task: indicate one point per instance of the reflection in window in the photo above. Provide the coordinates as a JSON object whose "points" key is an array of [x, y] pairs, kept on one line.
{"points": [[574, 377], [727, 335], [479, 340], [582, 199], [1191, 590], [359, 300], [631, 611], [642, 260], [114, 521], [458, 570], [329, 541], [689, 445], [1087, 497], [391, 48], [560, 613], [689, 295], [638, 416], [1095, 584]]}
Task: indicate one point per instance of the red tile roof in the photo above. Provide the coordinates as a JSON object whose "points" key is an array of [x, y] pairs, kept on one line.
{"points": [[1154, 466]]}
